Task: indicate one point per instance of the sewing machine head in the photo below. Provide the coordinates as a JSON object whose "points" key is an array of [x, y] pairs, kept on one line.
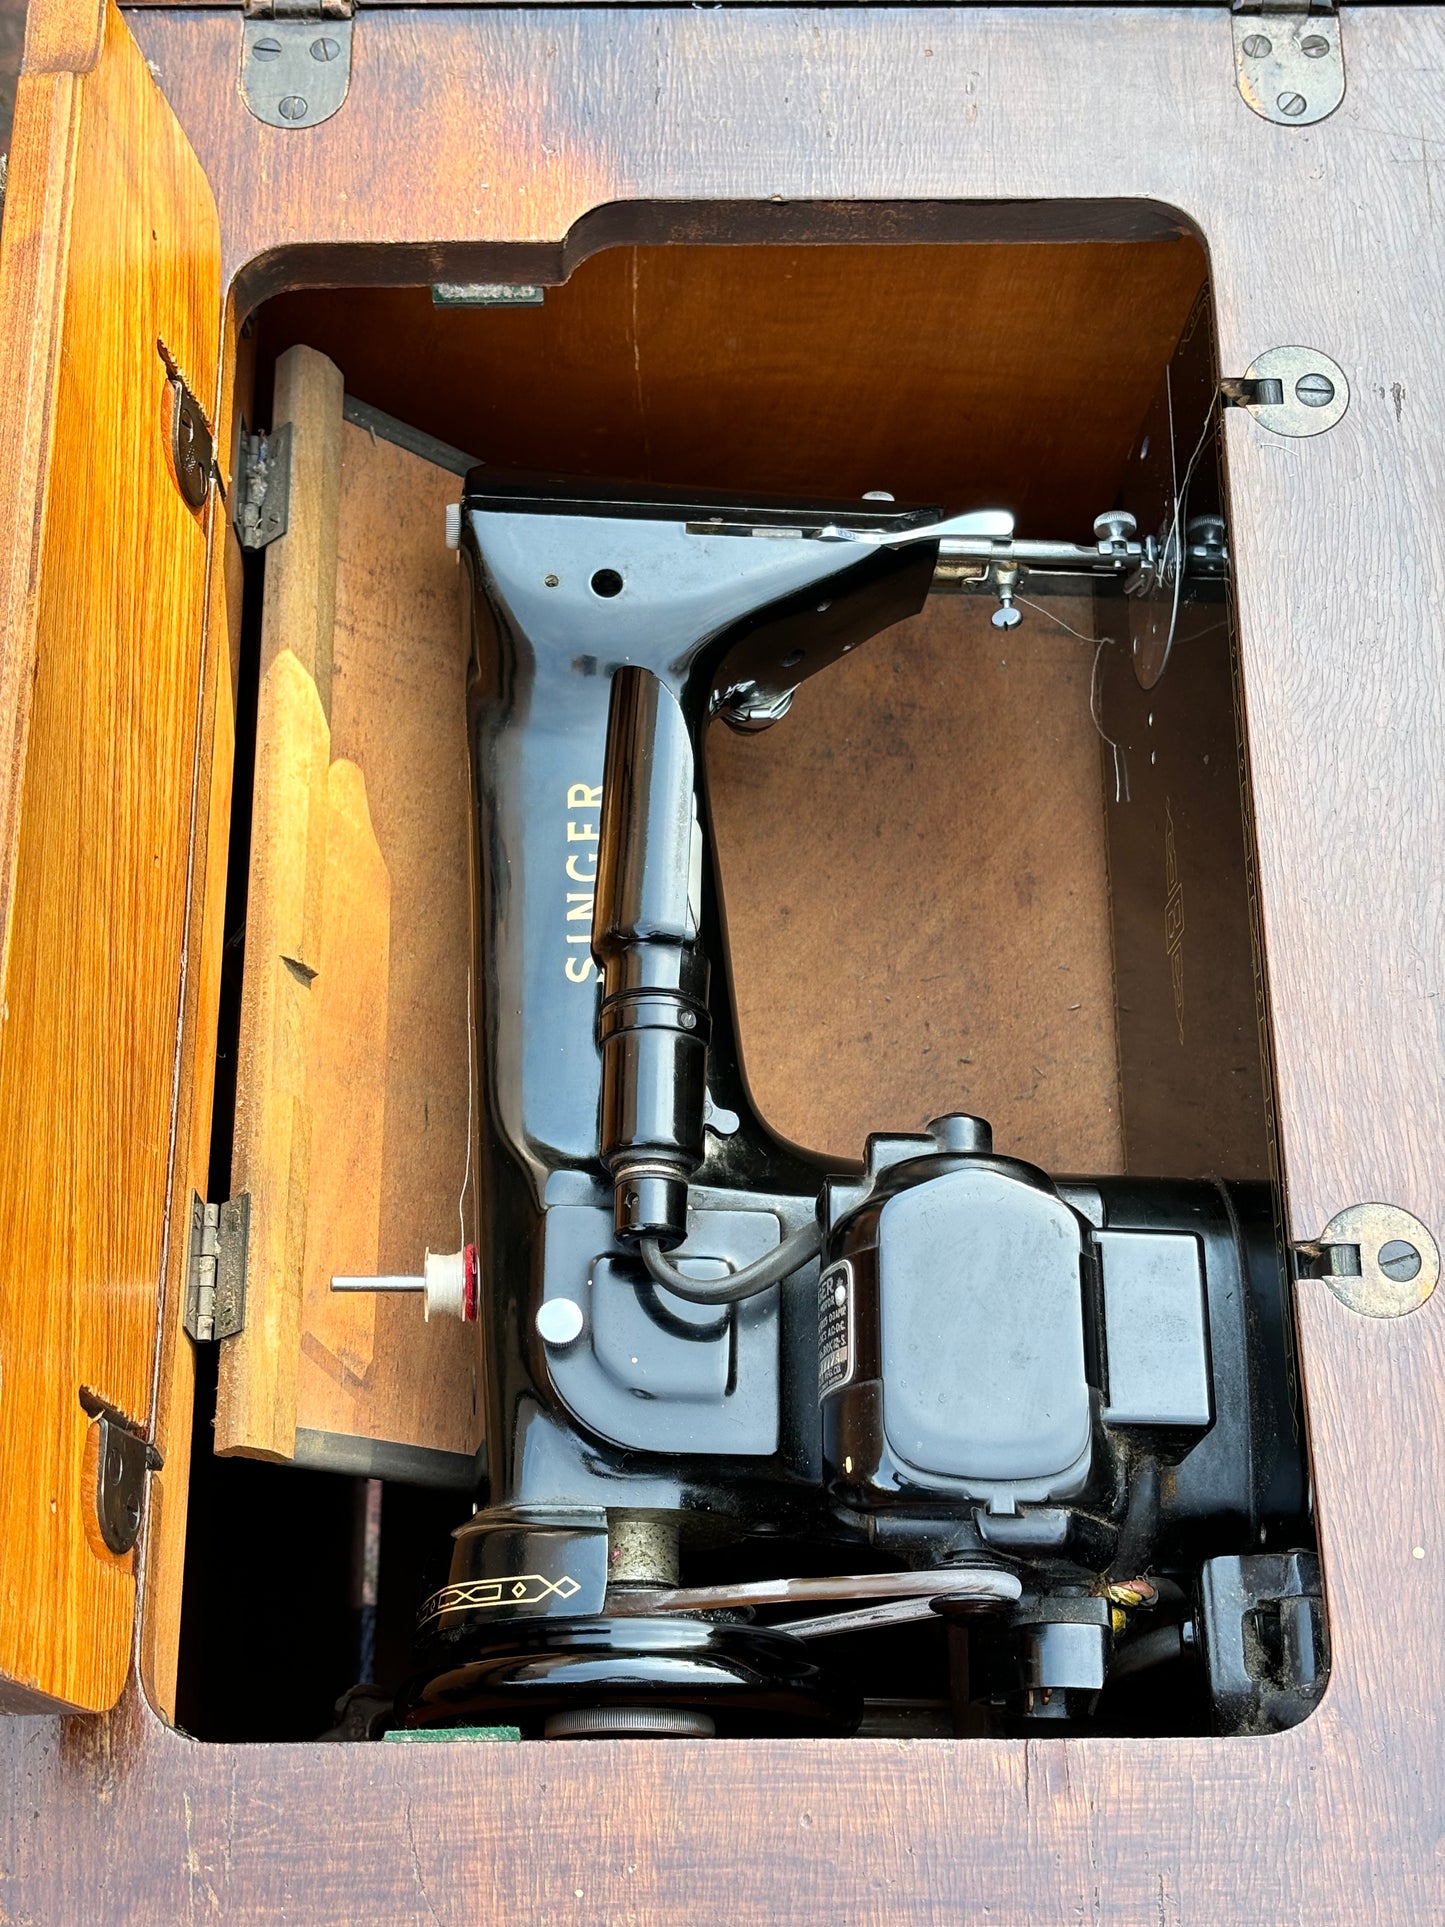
{"points": [[936, 1383]]}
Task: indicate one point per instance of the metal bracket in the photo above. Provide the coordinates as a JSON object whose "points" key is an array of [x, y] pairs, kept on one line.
{"points": [[1294, 391], [1289, 59], [216, 1269], [123, 1459], [262, 486], [486, 294], [295, 59], [1376, 1259]]}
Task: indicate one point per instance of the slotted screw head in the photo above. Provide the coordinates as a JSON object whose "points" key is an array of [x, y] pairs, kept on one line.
{"points": [[1315, 391], [1292, 104], [1400, 1260], [324, 50], [266, 50], [293, 107], [1258, 47], [1314, 45]]}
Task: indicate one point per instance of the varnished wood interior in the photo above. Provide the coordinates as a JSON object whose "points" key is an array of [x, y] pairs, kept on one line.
{"points": [[1006, 374], [389, 1136], [914, 862], [918, 904]]}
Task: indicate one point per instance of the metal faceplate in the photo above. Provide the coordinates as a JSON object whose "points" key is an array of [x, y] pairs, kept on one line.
{"points": [[645, 1369]]}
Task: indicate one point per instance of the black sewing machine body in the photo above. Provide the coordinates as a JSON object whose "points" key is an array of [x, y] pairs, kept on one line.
{"points": [[546, 650], [975, 1370]]}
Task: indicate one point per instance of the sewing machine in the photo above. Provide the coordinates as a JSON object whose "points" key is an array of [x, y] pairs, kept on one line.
{"points": [[937, 1382]]}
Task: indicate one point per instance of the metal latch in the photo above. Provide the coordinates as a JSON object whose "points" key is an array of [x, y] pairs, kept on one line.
{"points": [[1293, 390], [295, 59], [262, 486], [123, 1458], [1375, 1258], [1289, 61], [216, 1271], [192, 451]]}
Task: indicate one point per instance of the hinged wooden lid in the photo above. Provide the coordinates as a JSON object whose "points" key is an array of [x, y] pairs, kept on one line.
{"points": [[111, 261]]}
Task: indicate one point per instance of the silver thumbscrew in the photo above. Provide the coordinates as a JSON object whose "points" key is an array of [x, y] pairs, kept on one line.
{"points": [[1005, 581]]}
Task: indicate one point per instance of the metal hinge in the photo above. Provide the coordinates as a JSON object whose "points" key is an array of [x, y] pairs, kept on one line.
{"points": [[262, 486], [295, 59], [1289, 59], [216, 1270]]}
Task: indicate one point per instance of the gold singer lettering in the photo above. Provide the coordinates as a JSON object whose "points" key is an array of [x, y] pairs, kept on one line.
{"points": [[581, 868]]}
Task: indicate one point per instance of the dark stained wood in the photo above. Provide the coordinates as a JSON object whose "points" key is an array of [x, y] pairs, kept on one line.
{"points": [[800, 370], [468, 130], [473, 139]]}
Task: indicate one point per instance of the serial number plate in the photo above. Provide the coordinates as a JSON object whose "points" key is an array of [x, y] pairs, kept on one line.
{"points": [[835, 1328]]}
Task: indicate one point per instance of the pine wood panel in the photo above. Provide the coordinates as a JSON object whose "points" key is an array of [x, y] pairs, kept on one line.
{"points": [[389, 1156], [271, 1148], [351, 1095], [110, 242]]}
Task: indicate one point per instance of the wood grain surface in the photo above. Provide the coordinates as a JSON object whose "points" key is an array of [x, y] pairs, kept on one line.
{"points": [[351, 1112], [163, 1546], [389, 1132], [271, 1149], [466, 132], [12, 41], [918, 904], [102, 596], [475, 140], [793, 369]]}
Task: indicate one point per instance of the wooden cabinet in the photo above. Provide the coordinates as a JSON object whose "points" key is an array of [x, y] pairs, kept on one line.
{"points": [[149, 213]]}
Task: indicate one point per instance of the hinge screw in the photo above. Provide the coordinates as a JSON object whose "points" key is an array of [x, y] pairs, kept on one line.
{"points": [[1257, 47], [1400, 1261], [1315, 391], [266, 50], [1292, 104], [324, 50], [1315, 46], [293, 107]]}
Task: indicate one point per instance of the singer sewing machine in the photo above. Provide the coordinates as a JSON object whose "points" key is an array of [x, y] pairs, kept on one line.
{"points": [[1060, 1414]]}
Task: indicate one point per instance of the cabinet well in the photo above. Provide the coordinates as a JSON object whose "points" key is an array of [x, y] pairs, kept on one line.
{"points": [[973, 870]]}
